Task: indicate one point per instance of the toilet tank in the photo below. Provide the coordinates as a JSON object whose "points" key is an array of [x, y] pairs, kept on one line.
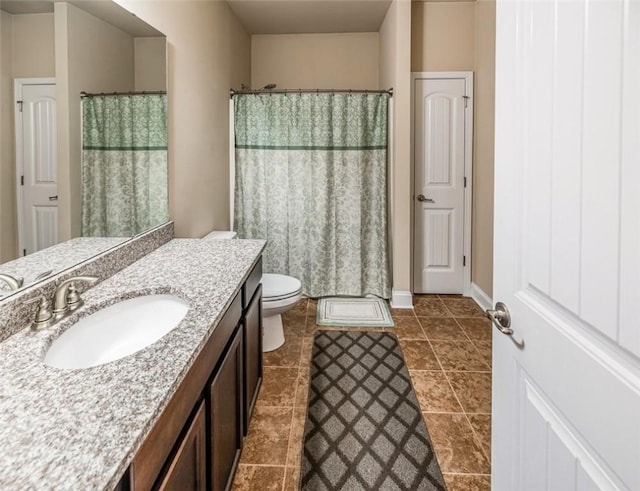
{"points": [[221, 234]]}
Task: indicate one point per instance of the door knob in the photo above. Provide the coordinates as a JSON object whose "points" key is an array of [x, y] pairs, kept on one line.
{"points": [[421, 197], [501, 318]]}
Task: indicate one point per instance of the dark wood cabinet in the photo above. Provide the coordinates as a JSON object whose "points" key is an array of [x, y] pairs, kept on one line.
{"points": [[226, 403], [187, 470], [252, 355], [196, 442]]}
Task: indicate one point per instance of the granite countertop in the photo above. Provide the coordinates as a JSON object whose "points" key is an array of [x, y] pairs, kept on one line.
{"points": [[57, 258], [80, 429]]}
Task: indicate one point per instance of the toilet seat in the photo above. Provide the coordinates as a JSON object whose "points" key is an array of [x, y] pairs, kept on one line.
{"points": [[276, 287]]}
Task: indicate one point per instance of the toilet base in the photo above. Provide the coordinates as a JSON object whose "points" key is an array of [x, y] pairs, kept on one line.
{"points": [[273, 333]]}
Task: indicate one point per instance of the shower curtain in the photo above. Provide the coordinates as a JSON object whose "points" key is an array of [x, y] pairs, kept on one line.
{"points": [[124, 164], [311, 178]]}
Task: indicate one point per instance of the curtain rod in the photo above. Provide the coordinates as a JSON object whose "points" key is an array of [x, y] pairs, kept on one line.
{"points": [[313, 91], [144, 92]]}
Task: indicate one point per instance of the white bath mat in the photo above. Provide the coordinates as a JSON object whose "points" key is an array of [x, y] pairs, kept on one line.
{"points": [[361, 312]]}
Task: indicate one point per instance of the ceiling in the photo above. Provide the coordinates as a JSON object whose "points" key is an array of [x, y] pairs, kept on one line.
{"points": [[310, 16], [108, 11]]}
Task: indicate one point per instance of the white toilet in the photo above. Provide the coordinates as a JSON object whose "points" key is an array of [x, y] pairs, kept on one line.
{"points": [[280, 293]]}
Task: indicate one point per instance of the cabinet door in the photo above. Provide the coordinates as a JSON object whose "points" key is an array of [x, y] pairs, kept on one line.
{"points": [[226, 415], [187, 470], [252, 355]]}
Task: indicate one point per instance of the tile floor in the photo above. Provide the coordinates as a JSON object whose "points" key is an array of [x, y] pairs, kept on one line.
{"points": [[446, 342]]}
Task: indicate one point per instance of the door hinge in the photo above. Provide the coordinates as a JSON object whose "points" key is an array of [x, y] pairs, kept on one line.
{"points": [[464, 260], [466, 100], [465, 181], [20, 105], [21, 180], [24, 252]]}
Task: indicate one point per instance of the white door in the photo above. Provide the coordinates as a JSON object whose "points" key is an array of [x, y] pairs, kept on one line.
{"points": [[36, 137], [439, 160], [566, 404]]}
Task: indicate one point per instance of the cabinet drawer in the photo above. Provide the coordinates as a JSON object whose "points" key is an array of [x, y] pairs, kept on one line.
{"points": [[251, 285]]}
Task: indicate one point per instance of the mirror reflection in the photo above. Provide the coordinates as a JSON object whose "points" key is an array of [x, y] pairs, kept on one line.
{"points": [[83, 158]]}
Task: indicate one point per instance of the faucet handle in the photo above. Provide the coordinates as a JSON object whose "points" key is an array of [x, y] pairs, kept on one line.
{"points": [[44, 315]]}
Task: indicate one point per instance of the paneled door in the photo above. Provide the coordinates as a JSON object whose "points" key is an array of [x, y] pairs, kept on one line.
{"points": [[566, 384], [36, 152], [440, 152]]}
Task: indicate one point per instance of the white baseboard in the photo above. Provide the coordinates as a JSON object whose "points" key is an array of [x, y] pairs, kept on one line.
{"points": [[481, 298], [401, 300]]}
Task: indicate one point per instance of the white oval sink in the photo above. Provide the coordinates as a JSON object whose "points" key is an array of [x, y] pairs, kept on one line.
{"points": [[116, 331]]}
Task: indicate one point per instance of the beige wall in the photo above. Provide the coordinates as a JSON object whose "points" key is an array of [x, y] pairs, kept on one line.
{"points": [[8, 241], [27, 51], [395, 66], [482, 227], [460, 36], [442, 36], [209, 52], [33, 46], [91, 56], [310, 61], [150, 64]]}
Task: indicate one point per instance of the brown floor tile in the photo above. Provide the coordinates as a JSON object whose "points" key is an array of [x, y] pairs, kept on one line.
{"points": [[477, 328], [292, 478], [401, 312], [485, 350], [307, 350], [299, 308], [408, 328], [302, 387], [481, 424], [251, 477], [427, 306], [456, 447], [287, 355], [268, 438], [434, 393], [294, 324], [463, 307], [278, 387], [473, 390], [468, 482], [418, 355], [442, 328], [459, 355], [294, 454]]}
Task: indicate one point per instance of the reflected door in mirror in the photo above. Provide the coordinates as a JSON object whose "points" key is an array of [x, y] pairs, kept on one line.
{"points": [[38, 223]]}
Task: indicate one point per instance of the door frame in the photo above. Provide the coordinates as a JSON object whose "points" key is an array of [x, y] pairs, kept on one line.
{"points": [[18, 85], [468, 168]]}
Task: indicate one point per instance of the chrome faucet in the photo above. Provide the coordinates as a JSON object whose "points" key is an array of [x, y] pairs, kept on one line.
{"points": [[66, 297], [13, 282]]}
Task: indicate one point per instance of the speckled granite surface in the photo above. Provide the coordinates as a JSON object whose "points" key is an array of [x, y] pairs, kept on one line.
{"points": [[56, 258], [15, 311], [80, 429]]}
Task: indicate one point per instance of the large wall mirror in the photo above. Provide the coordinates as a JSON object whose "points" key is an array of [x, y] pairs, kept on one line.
{"points": [[83, 150]]}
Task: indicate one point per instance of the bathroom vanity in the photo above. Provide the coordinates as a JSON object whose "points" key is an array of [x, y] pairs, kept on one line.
{"points": [[170, 416]]}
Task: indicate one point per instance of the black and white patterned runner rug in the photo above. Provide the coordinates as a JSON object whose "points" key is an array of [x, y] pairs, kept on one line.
{"points": [[364, 428]]}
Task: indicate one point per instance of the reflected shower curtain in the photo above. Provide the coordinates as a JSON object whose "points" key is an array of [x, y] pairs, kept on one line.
{"points": [[124, 164], [311, 178]]}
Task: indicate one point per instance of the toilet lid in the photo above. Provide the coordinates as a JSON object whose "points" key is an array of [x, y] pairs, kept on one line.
{"points": [[279, 286]]}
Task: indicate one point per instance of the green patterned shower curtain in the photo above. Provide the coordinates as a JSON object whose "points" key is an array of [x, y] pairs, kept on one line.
{"points": [[311, 178], [124, 164]]}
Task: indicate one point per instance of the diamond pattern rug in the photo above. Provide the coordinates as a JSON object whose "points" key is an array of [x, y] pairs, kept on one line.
{"points": [[348, 311], [364, 428]]}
